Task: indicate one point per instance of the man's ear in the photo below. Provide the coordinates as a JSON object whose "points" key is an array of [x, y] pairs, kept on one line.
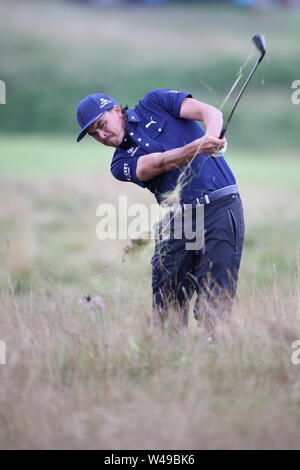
{"points": [[117, 108]]}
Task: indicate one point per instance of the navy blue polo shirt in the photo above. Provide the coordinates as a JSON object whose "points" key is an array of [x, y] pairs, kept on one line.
{"points": [[153, 126]]}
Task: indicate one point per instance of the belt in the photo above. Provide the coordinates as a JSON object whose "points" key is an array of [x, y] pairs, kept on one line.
{"points": [[214, 196]]}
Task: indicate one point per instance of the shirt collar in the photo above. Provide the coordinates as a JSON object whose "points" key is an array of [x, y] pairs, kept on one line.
{"points": [[132, 116]]}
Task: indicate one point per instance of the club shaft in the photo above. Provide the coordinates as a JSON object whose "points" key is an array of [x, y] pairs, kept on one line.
{"points": [[239, 96]]}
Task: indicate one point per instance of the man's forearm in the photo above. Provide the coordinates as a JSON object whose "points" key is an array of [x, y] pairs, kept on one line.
{"points": [[179, 156], [213, 121], [153, 164]]}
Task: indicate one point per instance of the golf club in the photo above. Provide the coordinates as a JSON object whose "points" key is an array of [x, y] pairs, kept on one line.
{"points": [[260, 43]]}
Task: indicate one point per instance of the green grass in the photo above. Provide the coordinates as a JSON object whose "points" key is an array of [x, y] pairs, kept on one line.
{"points": [[44, 156], [272, 170]]}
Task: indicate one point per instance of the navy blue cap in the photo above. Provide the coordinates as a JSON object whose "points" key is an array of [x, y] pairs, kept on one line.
{"points": [[90, 109]]}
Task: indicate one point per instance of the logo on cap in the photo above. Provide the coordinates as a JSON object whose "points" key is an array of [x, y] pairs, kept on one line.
{"points": [[104, 102]]}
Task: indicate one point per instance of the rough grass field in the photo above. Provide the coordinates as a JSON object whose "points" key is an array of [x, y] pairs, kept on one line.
{"points": [[100, 378], [79, 377]]}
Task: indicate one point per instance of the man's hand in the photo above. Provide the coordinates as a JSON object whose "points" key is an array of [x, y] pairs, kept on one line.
{"points": [[221, 151], [209, 144]]}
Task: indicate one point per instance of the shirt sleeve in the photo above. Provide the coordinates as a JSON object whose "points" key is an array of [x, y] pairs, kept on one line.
{"points": [[169, 100], [123, 168]]}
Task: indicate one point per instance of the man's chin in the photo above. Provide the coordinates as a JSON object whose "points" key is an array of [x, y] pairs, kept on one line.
{"points": [[113, 142]]}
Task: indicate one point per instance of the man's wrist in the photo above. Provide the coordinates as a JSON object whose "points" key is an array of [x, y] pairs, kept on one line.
{"points": [[193, 149], [214, 132]]}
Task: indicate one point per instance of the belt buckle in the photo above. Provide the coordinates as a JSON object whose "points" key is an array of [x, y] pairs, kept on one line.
{"points": [[206, 198]]}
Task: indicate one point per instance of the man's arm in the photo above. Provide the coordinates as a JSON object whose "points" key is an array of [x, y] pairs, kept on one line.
{"points": [[211, 117], [153, 164]]}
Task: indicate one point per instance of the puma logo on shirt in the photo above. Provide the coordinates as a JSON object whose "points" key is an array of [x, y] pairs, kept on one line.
{"points": [[150, 122]]}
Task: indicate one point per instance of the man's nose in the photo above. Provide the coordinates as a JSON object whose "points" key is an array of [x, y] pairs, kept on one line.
{"points": [[102, 134]]}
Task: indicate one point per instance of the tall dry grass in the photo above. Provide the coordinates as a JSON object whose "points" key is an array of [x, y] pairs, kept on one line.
{"points": [[81, 379], [99, 378]]}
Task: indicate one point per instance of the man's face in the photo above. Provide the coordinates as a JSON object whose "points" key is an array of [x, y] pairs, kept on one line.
{"points": [[109, 129]]}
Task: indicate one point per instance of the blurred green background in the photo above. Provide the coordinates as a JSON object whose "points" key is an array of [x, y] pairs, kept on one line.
{"points": [[55, 52]]}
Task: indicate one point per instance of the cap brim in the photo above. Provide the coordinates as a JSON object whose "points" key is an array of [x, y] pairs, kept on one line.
{"points": [[84, 130]]}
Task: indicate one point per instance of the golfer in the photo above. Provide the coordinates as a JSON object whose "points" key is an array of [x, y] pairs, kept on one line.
{"points": [[160, 145]]}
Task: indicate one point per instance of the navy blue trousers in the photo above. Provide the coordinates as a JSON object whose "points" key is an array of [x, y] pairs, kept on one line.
{"points": [[211, 270]]}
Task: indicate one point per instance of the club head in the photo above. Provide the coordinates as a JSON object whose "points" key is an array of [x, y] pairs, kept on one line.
{"points": [[260, 43]]}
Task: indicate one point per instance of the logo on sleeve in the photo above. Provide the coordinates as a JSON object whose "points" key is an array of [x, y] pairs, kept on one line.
{"points": [[126, 170]]}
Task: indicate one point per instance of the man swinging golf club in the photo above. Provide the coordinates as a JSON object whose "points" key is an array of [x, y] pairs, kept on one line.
{"points": [[158, 143]]}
